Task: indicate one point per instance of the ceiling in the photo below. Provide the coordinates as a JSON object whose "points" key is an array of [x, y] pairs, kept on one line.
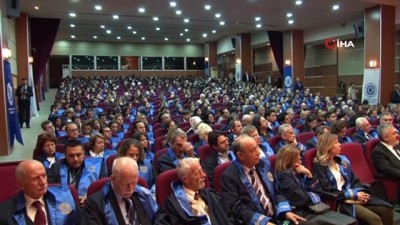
{"points": [[238, 15]]}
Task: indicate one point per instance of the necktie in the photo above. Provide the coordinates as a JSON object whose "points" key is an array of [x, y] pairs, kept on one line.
{"points": [[196, 196], [130, 210], [40, 217], [257, 188]]}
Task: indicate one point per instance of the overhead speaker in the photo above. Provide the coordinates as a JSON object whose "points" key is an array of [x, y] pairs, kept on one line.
{"points": [[359, 29], [233, 40], [13, 9]]}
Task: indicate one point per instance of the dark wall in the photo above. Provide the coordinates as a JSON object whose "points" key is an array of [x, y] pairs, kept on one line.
{"points": [[55, 69]]}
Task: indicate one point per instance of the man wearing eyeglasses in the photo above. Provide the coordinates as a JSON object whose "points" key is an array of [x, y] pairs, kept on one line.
{"points": [[364, 131]]}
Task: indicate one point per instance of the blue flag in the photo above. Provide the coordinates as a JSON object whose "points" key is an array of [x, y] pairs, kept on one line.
{"points": [[13, 125]]}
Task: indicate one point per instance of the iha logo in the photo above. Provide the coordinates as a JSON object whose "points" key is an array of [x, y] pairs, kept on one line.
{"points": [[332, 43]]}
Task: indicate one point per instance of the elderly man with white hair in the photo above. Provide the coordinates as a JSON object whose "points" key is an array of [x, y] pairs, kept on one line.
{"points": [[121, 201], [364, 131], [190, 202]]}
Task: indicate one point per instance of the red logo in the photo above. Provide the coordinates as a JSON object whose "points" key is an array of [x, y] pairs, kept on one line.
{"points": [[330, 43]]}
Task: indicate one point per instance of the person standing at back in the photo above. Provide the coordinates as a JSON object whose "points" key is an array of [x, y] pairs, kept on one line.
{"points": [[24, 93]]}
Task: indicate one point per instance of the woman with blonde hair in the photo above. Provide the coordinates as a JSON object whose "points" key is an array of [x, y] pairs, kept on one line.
{"points": [[335, 175], [298, 185]]}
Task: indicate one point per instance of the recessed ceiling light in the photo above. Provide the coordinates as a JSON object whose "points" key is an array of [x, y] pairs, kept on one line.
{"points": [[178, 12], [143, 38], [258, 25], [72, 25], [217, 15], [134, 32], [108, 31], [186, 20], [72, 14], [214, 31], [102, 26], [94, 37], [291, 21], [205, 35], [118, 37], [299, 2], [288, 15], [72, 36], [181, 34], [155, 18], [186, 30], [141, 10], [207, 7], [335, 7], [98, 7], [157, 28], [115, 17], [172, 4], [221, 23], [257, 18], [129, 27], [187, 39], [36, 7], [166, 39]]}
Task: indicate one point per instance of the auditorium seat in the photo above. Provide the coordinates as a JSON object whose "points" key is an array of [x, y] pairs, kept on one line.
{"points": [[7, 174], [350, 131], [218, 171], [156, 157], [274, 140], [204, 152], [304, 137]]}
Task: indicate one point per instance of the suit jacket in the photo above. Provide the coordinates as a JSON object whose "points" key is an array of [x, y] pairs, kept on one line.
{"points": [[359, 136], [395, 97], [13, 211], [167, 161], [173, 213], [241, 198], [386, 162], [29, 94], [211, 162], [105, 199], [298, 86]]}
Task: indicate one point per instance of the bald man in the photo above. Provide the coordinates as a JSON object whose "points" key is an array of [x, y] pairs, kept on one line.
{"points": [[37, 203], [121, 201]]}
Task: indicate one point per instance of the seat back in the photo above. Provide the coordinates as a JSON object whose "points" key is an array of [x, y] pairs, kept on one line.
{"points": [[272, 160], [204, 152], [60, 148], [98, 184], [217, 126], [308, 158], [156, 157], [350, 131], [10, 184], [109, 162], [158, 143], [304, 137], [274, 140], [218, 171], [359, 165], [368, 148], [193, 138], [164, 180]]}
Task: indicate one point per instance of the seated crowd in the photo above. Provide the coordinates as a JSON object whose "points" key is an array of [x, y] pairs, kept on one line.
{"points": [[126, 132]]}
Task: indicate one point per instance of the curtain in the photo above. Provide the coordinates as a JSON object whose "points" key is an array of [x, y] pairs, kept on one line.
{"points": [[276, 43]]}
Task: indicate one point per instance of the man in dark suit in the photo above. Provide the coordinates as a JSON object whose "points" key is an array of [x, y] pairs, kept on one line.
{"points": [[221, 154], [36, 203], [395, 97], [77, 170], [24, 93], [121, 200], [298, 86], [364, 131], [248, 187], [386, 154], [190, 203], [179, 149]]}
